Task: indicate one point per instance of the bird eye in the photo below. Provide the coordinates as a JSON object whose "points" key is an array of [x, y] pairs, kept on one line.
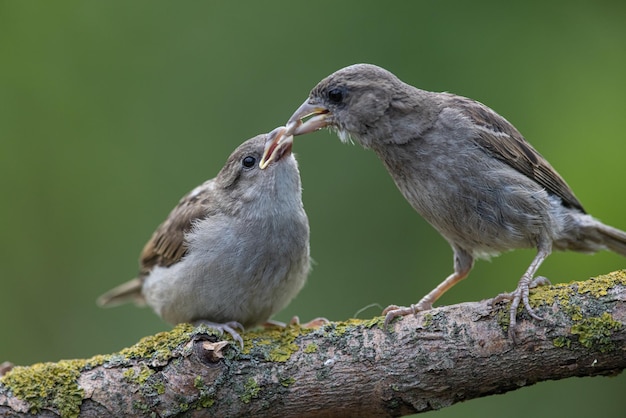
{"points": [[335, 95], [248, 161]]}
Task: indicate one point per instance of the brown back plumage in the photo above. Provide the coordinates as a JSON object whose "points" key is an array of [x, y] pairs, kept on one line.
{"points": [[514, 150]]}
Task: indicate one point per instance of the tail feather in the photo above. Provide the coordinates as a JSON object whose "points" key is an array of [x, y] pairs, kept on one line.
{"points": [[126, 292], [613, 238]]}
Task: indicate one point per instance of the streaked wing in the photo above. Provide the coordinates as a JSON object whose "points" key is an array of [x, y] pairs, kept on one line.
{"points": [[167, 244], [505, 143]]}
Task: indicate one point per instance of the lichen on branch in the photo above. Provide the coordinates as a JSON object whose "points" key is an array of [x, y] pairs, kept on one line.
{"points": [[349, 368]]}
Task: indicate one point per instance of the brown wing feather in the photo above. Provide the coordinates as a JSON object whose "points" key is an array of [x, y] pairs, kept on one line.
{"points": [[167, 244], [505, 143]]}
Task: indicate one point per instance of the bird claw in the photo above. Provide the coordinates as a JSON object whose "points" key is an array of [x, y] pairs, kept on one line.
{"points": [[295, 320], [230, 327], [391, 312], [520, 295], [315, 323]]}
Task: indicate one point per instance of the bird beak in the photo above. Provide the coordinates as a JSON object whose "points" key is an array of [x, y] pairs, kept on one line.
{"points": [[319, 119], [283, 136], [277, 147]]}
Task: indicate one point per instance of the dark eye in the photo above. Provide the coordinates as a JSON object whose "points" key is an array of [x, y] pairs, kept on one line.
{"points": [[248, 161], [335, 95]]}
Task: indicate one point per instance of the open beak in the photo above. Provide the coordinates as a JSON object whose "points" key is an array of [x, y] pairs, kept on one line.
{"points": [[283, 136], [319, 119], [277, 147]]}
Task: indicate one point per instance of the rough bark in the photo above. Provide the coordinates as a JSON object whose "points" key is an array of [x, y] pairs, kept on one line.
{"points": [[352, 368]]}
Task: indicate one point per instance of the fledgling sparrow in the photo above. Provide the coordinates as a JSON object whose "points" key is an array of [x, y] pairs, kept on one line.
{"points": [[234, 251]]}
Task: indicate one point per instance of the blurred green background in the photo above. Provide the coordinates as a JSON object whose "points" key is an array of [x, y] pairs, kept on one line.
{"points": [[111, 111]]}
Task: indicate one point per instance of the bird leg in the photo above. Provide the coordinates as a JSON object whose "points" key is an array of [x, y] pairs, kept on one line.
{"points": [[520, 294], [463, 262]]}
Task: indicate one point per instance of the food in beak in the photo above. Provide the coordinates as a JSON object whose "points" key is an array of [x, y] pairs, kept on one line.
{"points": [[319, 119]]}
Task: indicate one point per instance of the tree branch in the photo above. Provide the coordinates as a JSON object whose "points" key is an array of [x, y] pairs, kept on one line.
{"points": [[351, 368]]}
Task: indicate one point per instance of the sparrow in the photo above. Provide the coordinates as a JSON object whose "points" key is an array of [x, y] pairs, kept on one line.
{"points": [[463, 167], [234, 251]]}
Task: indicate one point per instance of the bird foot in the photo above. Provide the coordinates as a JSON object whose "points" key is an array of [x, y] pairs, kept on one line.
{"points": [[391, 312], [520, 295], [314, 323], [271, 323], [230, 327]]}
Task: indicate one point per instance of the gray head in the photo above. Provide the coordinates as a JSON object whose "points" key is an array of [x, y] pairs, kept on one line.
{"points": [[359, 102], [244, 180]]}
